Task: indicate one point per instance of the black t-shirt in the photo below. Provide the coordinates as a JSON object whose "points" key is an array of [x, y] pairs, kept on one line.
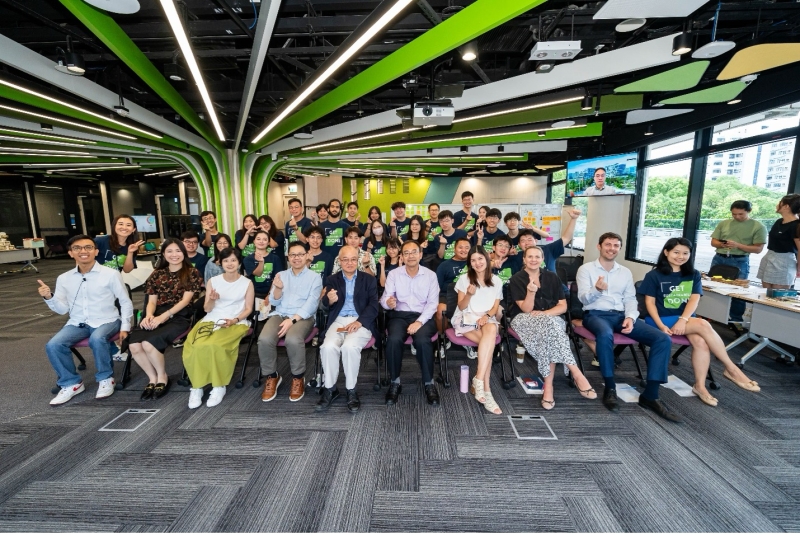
{"points": [[509, 268], [449, 249], [322, 264], [199, 262], [459, 218], [250, 248], [214, 238], [672, 291], [262, 283], [488, 239], [447, 272], [549, 294], [402, 226], [302, 225], [334, 236], [782, 236]]}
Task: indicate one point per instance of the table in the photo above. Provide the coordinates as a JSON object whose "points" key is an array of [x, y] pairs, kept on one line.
{"points": [[138, 276], [19, 255]]}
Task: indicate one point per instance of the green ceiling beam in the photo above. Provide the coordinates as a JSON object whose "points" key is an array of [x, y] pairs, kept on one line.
{"points": [[124, 48], [469, 23]]}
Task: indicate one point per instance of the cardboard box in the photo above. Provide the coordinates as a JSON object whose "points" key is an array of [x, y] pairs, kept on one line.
{"points": [[32, 243]]}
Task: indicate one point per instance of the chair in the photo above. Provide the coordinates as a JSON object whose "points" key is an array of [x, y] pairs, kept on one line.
{"points": [[567, 268], [313, 333], [437, 352], [677, 339], [726, 272], [621, 342], [82, 366]]}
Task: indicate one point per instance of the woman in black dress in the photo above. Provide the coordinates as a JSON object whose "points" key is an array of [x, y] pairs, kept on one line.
{"points": [[170, 290]]}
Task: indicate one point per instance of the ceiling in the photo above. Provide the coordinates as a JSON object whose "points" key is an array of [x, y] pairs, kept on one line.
{"points": [[257, 57]]}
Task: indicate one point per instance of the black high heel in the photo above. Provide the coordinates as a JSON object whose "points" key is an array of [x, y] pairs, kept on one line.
{"points": [[148, 392]]}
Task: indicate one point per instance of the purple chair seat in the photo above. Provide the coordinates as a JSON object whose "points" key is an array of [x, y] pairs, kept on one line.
{"points": [[85, 341], [464, 341], [410, 340], [619, 339], [680, 340], [314, 331], [370, 344], [514, 334]]}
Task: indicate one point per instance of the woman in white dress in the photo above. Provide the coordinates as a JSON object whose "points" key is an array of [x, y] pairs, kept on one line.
{"points": [[479, 295], [212, 347]]}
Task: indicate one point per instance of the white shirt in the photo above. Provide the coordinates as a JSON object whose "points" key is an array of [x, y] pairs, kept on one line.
{"points": [[620, 295], [594, 191], [231, 300], [89, 297], [484, 298]]}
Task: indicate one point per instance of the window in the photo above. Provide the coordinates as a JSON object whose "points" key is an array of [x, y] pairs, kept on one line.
{"points": [[749, 181], [14, 213], [761, 123], [558, 192], [670, 147], [665, 191]]}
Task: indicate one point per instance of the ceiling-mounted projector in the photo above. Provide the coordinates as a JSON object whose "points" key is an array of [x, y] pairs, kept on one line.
{"points": [[434, 113], [555, 50], [123, 7]]}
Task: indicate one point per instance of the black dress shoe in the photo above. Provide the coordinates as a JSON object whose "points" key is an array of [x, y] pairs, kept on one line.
{"points": [[326, 398], [161, 389], [353, 403], [431, 395], [610, 399], [659, 408], [393, 393], [148, 392]]}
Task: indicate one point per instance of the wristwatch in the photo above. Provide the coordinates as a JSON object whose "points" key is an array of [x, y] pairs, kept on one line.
{"points": [[294, 320]]}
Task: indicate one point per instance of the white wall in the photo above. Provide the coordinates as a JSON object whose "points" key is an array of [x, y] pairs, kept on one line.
{"points": [[504, 190], [125, 199], [611, 214], [275, 195]]}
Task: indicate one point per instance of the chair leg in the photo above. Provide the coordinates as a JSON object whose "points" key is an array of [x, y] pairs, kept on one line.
{"points": [[184, 380], [509, 383], [675, 359], [712, 384], [240, 382], [443, 362], [316, 383], [82, 365]]}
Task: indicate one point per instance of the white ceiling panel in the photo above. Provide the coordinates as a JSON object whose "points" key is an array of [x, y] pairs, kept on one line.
{"points": [[648, 9], [645, 116]]}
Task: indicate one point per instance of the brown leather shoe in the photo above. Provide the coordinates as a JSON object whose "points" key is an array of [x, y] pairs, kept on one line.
{"points": [[297, 391], [271, 388]]}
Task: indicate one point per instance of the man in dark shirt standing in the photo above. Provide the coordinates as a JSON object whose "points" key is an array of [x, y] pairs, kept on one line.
{"points": [[191, 240], [486, 236], [465, 218], [297, 224], [449, 235], [334, 229]]}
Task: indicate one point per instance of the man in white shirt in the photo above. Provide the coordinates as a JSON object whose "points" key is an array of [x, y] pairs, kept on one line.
{"points": [[87, 294], [599, 188], [609, 302]]}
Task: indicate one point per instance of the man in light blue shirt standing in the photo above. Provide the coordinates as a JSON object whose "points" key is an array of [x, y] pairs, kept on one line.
{"points": [[295, 295], [87, 294], [609, 300]]}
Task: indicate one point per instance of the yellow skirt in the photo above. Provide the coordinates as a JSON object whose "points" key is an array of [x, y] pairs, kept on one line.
{"points": [[211, 358]]}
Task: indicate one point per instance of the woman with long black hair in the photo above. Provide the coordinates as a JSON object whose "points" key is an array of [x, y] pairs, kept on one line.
{"points": [[244, 236], [118, 250], [672, 292]]}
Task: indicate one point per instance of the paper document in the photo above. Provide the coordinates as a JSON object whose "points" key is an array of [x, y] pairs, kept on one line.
{"points": [[627, 393], [679, 387]]}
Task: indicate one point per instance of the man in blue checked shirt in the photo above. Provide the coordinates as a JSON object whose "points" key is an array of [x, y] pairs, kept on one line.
{"points": [[295, 295]]}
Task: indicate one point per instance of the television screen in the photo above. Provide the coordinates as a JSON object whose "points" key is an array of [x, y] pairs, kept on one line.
{"points": [[605, 175], [145, 223]]}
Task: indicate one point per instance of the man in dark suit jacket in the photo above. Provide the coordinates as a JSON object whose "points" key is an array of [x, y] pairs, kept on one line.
{"points": [[353, 301]]}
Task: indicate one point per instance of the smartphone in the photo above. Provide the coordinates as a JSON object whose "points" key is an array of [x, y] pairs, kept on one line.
{"points": [[724, 241]]}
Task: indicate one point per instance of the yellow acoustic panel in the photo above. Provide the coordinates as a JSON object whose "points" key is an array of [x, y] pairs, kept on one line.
{"points": [[759, 58]]}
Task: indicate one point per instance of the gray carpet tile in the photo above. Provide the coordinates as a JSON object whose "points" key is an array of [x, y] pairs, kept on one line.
{"points": [[180, 469], [577, 451], [348, 506], [143, 528], [789, 428], [235, 442], [50, 526], [118, 503], [202, 514], [782, 514], [785, 478], [787, 450], [472, 512], [533, 478], [591, 514], [295, 416], [399, 466]]}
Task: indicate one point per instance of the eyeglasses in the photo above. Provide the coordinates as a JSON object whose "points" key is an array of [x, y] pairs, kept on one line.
{"points": [[79, 248], [297, 255], [410, 253], [343, 260], [191, 242]]}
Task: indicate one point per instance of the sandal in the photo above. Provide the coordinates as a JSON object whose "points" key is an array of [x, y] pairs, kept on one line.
{"points": [[491, 405], [477, 390], [751, 386], [708, 399], [548, 404]]}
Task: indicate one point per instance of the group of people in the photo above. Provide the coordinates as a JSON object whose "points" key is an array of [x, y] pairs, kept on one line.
{"points": [[409, 268]]}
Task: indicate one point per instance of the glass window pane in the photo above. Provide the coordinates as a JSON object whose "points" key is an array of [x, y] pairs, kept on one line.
{"points": [[665, 191], [558, 192], [669, 147], [579, 239], [787, 116], [759, 174]]}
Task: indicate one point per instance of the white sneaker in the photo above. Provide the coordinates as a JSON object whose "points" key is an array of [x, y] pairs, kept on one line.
{"points": [[215, 398], [195, 397], [413, 350], [67, 393], [105, 388], [595, 362], [120, 356], [447, 344], [471, 353], [520, 354]]}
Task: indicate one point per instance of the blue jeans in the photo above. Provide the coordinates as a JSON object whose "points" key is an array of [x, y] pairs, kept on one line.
{"points": [[743, 263], [64, 363], [603, 324]]}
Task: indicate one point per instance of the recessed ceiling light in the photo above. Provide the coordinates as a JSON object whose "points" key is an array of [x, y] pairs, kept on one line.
{"points": [[563, 124], [630, 25], [682, 44], [735, 101], [713, 49], [123, 7]]}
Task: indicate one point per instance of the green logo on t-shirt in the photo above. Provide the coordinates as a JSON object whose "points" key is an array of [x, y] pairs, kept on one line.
{"points": [[249, 249], [449, 251], [293, 235], [318, 267], [379, 253], [266, 274], [434, 232], [334, 236], [488, 247], [678, 295], [504, 274], [470, 224], [117, 262], [210, 251]]}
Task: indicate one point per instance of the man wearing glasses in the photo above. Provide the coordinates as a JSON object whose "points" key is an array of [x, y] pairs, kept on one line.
{"points": [[191, 240], [411, 297], [353, 301], [87, 294], [295, 295]]}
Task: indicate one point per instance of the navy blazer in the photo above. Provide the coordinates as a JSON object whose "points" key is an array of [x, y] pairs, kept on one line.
{"points": [[365, 300]]}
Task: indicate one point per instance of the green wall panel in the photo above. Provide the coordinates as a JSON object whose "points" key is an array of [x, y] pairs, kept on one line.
{"points": [[418, 189], [443, 189]]}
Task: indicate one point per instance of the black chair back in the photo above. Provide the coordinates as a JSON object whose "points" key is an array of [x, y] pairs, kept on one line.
{"points": [[726, 272], [567, 268], [451, 300], [640, 301], [574, 304]]}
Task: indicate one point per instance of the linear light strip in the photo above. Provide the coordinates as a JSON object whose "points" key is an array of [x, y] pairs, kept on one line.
{"points": [[514, 110], [78, 108], [457, 159], [88, 165], [49, 136], [353, 140], [360, 43], [180, 176], [70, 123], [464, 138], [183, 41], [42, 142], [45, 155], [48, 151], [414, 164], [163, 172], [50, 171]]}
